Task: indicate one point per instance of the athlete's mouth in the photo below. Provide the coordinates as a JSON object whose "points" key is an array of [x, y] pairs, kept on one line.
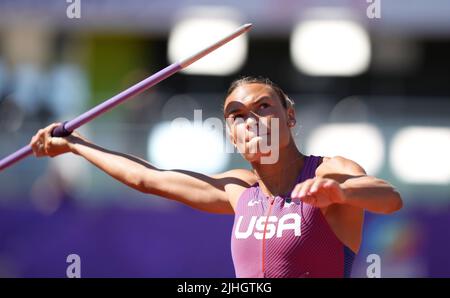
{"points": [[251, 136]]}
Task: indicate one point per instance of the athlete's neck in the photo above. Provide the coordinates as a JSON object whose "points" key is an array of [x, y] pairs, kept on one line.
{"points": [[279, 178]]}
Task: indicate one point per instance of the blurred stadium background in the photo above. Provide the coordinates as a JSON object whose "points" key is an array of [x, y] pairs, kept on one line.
{"points": [[376, 90]]}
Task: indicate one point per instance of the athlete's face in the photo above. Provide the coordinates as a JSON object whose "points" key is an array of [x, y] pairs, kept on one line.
{"points": [[257, 120]]}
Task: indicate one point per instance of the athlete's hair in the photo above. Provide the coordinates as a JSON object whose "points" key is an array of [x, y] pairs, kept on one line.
{"points": [[285, 100]]}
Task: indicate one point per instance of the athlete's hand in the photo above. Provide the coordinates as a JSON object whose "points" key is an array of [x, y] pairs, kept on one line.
{"points": [[319, 192], [43, 144]]}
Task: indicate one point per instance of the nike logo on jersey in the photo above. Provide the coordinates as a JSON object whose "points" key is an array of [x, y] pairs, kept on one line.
{"points": [[253, 202]]}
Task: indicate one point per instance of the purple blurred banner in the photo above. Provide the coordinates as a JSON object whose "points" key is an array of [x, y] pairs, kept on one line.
{"points": [[113, 241]]}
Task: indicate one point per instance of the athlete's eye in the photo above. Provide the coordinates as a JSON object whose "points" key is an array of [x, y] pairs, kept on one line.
{"points": [[263, 106]]}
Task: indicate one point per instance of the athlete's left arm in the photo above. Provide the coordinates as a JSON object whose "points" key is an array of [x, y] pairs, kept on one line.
{"points": [[342, 181]]}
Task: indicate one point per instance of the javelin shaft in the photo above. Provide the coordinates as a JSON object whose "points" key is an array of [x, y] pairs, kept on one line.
{"points": [[121, 97], [67, 127]]}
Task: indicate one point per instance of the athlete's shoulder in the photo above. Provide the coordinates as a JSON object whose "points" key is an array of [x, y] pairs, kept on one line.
{"points": [[235, 182], [339, 165], [241, 174]]}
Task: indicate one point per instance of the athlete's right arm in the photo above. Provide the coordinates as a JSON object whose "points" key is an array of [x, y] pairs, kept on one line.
{"points": [[215, 194]]}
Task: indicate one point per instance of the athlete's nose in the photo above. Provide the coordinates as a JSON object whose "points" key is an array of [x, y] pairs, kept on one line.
{"points": [[251, 121]]}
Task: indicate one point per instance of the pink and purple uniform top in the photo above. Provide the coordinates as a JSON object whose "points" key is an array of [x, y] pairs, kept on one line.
{"points": [[283, 238]]}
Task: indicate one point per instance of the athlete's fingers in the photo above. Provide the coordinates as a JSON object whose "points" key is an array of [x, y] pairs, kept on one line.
{"points": [[330, 186], [329, 183], [40, 149], [40, 141], [305, 188], [296, 190], [310, 199], [35, 144], [40, 133], [315, 187], [48, 137]]}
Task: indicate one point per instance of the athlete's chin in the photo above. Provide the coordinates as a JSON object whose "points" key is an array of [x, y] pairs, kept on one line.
{"points": [[251, 149], [257, 157]]}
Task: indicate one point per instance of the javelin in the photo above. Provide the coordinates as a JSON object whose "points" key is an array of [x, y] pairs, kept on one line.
{"points": [[68, 127]]}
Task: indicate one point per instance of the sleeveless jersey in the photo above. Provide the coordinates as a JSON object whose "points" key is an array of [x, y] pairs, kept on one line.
{"points": [[283, 238]]}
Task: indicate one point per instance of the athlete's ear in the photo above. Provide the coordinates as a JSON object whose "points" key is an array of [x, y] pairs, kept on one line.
{"points": [[291, 117]]}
